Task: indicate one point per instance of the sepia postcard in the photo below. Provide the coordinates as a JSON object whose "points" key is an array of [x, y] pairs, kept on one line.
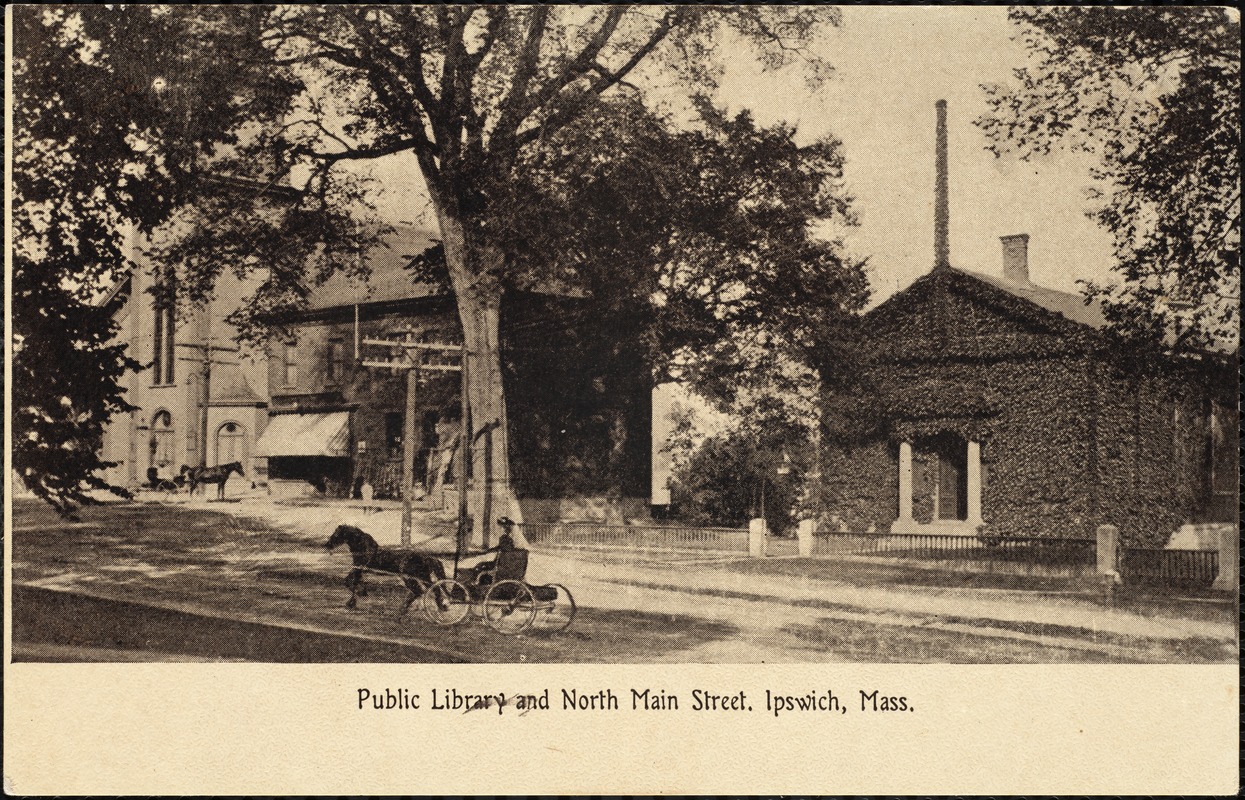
{"points": [[603, 399]]}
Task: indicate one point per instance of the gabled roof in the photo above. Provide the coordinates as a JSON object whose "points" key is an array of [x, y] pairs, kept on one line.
{"points": [[230, 387], [1067, 304], [1064, 312], [389, 279]]}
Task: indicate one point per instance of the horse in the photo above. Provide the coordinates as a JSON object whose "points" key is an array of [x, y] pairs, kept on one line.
{"points": [[217, 475], [416, 570]]}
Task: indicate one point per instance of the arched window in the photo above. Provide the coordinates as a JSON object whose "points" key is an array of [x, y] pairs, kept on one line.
{"points": [[230, 443], [162, 439]]}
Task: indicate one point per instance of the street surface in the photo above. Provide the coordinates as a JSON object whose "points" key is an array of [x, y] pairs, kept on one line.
{"points": [[250, 580]]}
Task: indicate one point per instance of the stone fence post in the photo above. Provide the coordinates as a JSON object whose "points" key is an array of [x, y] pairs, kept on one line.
{"points": [[805, 535], [756, 538], [1229, 577], [1108, 559], [1108, 549]]}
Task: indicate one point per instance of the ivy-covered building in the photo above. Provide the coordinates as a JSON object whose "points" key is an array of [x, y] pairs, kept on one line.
{"points": [[989, 404], [577, 395]]}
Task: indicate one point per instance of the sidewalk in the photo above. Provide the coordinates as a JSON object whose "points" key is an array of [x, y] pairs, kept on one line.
{"points": [[959, 604]]}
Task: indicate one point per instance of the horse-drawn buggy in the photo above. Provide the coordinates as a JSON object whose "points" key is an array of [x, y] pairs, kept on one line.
{"points": [[497, 591], [502, 596], [194, 478]]}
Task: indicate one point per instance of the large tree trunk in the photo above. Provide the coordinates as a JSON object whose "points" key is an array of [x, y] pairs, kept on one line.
{"points": [[473, 267]]}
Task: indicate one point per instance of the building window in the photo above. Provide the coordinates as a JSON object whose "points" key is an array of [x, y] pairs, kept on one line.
{"points": [[162, 439], [230, 443], [333, 367], [290, 363], [163, 354]]}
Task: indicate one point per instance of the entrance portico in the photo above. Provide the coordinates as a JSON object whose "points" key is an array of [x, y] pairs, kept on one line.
{"points": [[956, 490]]}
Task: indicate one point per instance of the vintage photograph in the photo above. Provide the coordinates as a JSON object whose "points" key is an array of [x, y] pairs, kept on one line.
{"points": [[624, 334]]}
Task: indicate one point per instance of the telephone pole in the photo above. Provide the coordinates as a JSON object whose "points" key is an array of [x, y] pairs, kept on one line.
{"points": [[206, 362], [413, 361]]}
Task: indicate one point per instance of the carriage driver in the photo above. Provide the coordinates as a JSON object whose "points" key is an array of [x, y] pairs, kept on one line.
{"points": [[476, 572]]}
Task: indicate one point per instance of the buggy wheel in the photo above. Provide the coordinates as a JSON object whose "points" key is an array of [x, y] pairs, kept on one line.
{"points": [[560, 612], [447, 602], [509, 607]]}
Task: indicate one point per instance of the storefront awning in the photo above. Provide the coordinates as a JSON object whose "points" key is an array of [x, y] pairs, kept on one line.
{"points": [[306, 435]]}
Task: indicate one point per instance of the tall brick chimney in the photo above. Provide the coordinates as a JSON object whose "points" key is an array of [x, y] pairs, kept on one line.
{"points": [[1016, 257], [942, 210]]}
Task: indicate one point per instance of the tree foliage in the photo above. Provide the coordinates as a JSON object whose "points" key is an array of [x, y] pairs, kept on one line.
{"points": [[232, 135], [1154, 94], [100, 151], [695, 241], [735, 476], [543, 162]]}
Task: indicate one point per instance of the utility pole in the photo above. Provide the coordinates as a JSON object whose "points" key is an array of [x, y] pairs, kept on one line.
{"points": [[413, 362], [206, 362], [464, 454], [408, 438]]}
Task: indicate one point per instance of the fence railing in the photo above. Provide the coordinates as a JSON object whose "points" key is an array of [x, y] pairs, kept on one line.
{"points": [[1023, 555], [590, 534], [1191, 568], [1027, 554]]}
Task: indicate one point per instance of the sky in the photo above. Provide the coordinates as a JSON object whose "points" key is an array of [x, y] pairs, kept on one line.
{"points": [[891, 65]]}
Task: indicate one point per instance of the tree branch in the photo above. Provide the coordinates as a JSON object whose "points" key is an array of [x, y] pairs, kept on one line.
{"points": [[605, 80], [453, 92], [582, 62], [362, 153], [525, 69]]}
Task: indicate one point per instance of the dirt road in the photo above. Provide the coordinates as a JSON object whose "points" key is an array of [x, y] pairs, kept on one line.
{"points": [[184, 582]]}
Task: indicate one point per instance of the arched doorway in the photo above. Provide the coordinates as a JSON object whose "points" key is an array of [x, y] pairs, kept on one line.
{"points": [[162, 441], [231, 443]]}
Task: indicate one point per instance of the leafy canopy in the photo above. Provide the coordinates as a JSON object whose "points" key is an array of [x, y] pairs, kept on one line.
{"points": [[100, 149], [534, 129], [1154, 93], [233, 129]]}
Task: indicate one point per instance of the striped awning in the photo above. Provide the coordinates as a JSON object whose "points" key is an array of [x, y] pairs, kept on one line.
{"points": [[306, 435]]}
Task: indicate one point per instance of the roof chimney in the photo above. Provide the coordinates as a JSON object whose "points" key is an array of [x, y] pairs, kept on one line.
{"points": [[1016, 257], [942, 211]]}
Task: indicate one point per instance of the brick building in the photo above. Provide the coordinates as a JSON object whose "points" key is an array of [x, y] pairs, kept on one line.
{"points": [[579, 412]]}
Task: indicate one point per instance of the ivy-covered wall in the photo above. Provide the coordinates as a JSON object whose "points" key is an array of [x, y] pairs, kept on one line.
{"points": [[859, 489], [1073, 432], [579, 400]]}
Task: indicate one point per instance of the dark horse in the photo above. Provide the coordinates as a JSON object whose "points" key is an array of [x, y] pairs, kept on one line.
{"points": [[416, 570], [217, 475]]}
